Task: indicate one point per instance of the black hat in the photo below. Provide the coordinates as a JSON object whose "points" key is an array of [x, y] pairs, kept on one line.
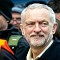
{"points": [[5, 8]]}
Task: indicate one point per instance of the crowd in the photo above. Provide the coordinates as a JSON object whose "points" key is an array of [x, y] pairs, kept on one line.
{"points": [[30, 32]]}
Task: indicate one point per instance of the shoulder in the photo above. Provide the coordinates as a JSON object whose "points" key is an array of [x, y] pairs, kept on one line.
{"points": [[56, 44], [23, 43], [5, 55]]}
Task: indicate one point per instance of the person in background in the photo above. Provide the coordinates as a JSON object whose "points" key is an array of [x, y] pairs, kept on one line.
{"points": [[22, 46], [55, 5], [16, 11], [16, 20], [38, 24], [5, 16], [57, 34]]}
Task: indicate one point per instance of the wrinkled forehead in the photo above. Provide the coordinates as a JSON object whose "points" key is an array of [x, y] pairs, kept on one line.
{"points": [[38, 10], [37, 13]]}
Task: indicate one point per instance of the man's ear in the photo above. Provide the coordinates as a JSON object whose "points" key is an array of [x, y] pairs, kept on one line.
{"points": [[54, 28], [22, 29]]}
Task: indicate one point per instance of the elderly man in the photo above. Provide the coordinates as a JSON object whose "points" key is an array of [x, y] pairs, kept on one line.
{"points": [[38, 24]]}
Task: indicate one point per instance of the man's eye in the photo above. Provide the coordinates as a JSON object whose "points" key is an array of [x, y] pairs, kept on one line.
{"points": [[18, 18], [44, 24], [30, 24]]}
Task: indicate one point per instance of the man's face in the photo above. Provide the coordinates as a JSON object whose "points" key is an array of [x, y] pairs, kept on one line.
{"points": [[16, 20], [3, 23], [37, 27]]}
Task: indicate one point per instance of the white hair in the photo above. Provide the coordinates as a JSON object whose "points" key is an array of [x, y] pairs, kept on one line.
{"points": [[37, 5]]}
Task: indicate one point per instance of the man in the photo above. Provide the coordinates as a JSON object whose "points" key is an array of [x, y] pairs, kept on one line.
{"points": [[38, 24], [55, 5], [16, 20], [5, 16], [22, 45], [16, 12]]}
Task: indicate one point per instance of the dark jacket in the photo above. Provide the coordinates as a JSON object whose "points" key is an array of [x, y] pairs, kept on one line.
{"points": [[23, 47], [53, 53], [10, 31], [5, 55], [7, 33]]}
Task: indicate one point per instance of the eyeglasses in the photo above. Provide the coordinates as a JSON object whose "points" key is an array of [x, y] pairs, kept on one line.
{"points": [[18, 20]]}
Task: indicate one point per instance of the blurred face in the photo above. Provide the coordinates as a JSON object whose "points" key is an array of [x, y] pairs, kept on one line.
{"points": [[3, 23], [16, 20], [37, 27], [57, 16]]}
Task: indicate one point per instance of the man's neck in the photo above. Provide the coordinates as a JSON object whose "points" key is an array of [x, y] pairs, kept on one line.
{"points": [[36, 52]]}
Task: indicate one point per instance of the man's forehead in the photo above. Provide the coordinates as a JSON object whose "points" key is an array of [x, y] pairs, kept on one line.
{"points": [[37, 13]]}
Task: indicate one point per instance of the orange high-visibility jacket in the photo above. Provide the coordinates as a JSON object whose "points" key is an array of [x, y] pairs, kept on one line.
{"points": [[4, 44]]}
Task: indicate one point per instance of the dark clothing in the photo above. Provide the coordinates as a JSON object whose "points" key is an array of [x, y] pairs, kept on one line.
{"points": [[7, 33], [23, 47], [53, 52], [5, 9], [5, 55]]}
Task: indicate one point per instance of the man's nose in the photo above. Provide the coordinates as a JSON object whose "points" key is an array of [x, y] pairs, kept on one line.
{"points": [[37, 28], [14, 22]]}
